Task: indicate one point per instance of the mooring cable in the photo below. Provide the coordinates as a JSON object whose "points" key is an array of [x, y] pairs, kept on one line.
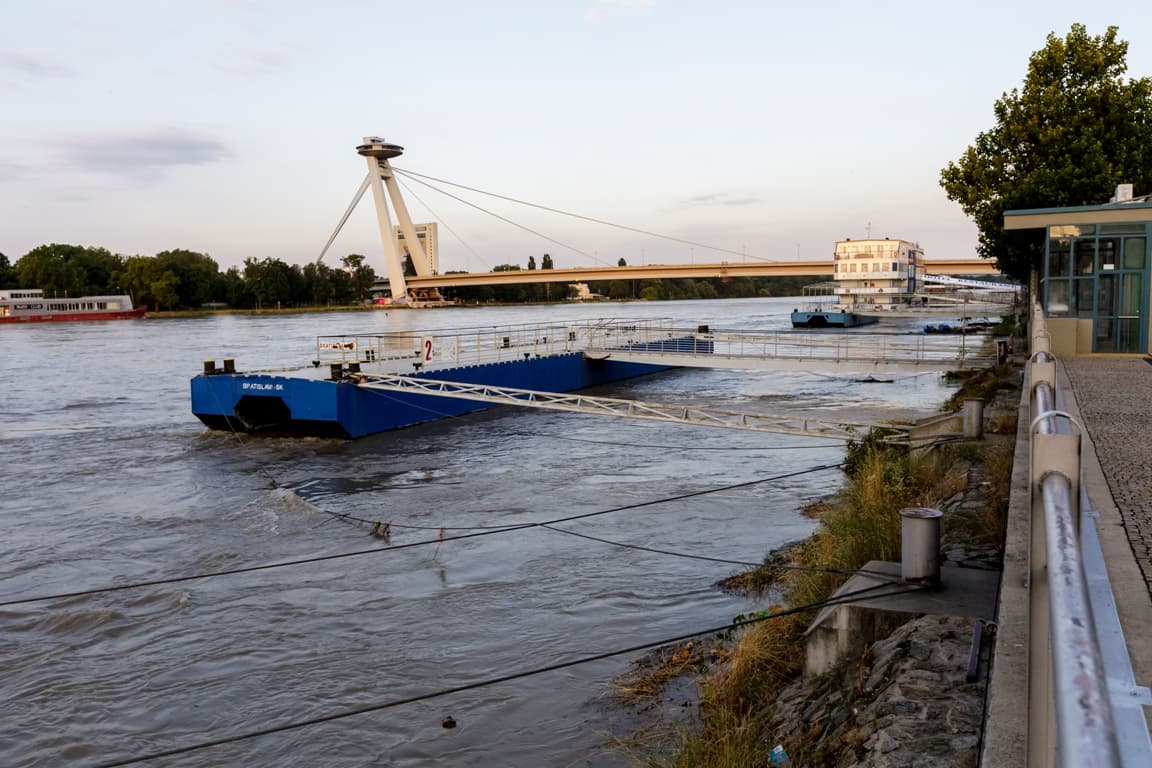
{"points": [[410, 545], [847, 598]]}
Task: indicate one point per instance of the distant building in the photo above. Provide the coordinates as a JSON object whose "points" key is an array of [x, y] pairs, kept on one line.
{"points": [[876, 271], [426, 235], [580, 292]]}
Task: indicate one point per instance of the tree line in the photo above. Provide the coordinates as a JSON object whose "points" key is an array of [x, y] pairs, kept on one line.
{"points": [[183, 279]]}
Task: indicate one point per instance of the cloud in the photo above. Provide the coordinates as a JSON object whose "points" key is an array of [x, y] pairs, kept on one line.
{"points": [[11, 170], [32, 66], [604, 11], [142, 154], [254, 61], [720, 198]]}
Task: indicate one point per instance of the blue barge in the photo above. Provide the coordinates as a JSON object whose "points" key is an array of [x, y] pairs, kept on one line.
{"points": [[837, 317], [325, 400]]}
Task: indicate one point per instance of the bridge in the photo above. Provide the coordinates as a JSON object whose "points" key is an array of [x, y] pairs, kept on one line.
{"points": [[722, 270], [425, 284]]}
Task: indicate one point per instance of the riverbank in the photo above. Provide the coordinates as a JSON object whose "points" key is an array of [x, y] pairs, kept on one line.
{"points": [[908, 698], [183, 314]]}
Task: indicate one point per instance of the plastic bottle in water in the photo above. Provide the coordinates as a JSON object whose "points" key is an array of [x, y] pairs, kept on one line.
{"points": [[778, 756]]}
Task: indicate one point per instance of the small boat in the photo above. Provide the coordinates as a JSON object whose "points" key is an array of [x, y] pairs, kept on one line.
{"points": [[836, 317], [25, 305]]}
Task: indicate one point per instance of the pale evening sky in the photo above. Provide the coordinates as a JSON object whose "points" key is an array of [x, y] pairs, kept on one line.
{"points": [[229, 126]]}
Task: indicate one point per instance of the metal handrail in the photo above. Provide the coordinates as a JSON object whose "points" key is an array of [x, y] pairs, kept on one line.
{"points": [[1085, 730]]}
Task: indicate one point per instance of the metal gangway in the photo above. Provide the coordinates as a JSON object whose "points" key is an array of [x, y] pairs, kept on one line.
{"points": [[660, 342], [985, 285], [632, 409], [845, 353]]}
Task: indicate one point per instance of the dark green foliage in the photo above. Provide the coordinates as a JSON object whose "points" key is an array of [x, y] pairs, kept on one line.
{"points": [[7, 273], [183, 279], [68, 270], [874, 443], [1075, 130]]}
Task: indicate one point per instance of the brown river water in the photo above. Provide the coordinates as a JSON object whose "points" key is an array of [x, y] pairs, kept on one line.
{"points": [[106, 478]]}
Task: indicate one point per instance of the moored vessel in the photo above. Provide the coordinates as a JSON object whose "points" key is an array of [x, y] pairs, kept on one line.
{"points": [[333, 396], [29, 305]]}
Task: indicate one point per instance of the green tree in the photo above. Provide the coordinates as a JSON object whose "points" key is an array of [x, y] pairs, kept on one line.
{"points": [[271, 281], [361, 276], [546, 262], [68, 270], [7, 273], [166, 289], [136, 276], [1074, 131], [232, 289], [195, 275]]}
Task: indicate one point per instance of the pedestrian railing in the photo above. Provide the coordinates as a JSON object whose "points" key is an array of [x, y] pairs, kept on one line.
{"points": [[1084, 705]]}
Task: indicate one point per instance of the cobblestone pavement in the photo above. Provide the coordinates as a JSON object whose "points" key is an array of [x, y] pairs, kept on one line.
{"points": [[1115, 398]]}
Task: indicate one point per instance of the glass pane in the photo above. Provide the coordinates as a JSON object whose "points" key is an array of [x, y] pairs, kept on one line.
{"points": [[1057, 297], [1106, 297], [1083, 299], [1128, 335], [1059, 257], [1121, 229], [1109, 248], [1072, 230], [1085, 254], [1130, 293], [1105, 335], [1134, 253]]}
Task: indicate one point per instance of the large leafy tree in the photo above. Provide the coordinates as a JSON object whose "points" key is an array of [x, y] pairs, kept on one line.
{"points": [[1068, 136], [361, 276], [7, 273], [196, 275], [69, 270]]}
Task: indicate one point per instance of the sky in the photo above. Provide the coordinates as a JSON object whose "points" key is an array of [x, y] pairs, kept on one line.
{"points": [[767, 129]]}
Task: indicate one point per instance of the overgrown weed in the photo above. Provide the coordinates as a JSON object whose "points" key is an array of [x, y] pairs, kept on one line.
{"points": [[737, 697]]}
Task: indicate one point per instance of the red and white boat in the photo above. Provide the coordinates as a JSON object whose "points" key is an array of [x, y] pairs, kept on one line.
{"points": [[25, 305]]}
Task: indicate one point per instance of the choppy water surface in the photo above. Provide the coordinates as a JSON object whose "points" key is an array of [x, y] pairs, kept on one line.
{"points": [[108, 479]]}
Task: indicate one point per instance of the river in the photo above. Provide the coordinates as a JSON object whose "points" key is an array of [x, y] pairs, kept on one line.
{"points": [[108, 479]]}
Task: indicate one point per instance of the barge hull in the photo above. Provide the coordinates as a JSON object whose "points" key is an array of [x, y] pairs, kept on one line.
{"points": [[286, 405]]}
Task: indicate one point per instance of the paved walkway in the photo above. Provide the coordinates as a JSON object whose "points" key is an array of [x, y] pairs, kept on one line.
{"points": [[1112, 396]]}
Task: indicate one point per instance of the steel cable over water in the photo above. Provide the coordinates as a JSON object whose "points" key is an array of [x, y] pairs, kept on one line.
{"points": [[845, 599], [409, 545]]}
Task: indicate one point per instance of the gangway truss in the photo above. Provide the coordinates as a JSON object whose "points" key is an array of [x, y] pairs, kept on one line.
{"points": [[633, 409], [846, 353], [658, 341]]}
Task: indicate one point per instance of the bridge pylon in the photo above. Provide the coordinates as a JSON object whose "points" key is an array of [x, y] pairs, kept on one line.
{"points": [[378, 152]]}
